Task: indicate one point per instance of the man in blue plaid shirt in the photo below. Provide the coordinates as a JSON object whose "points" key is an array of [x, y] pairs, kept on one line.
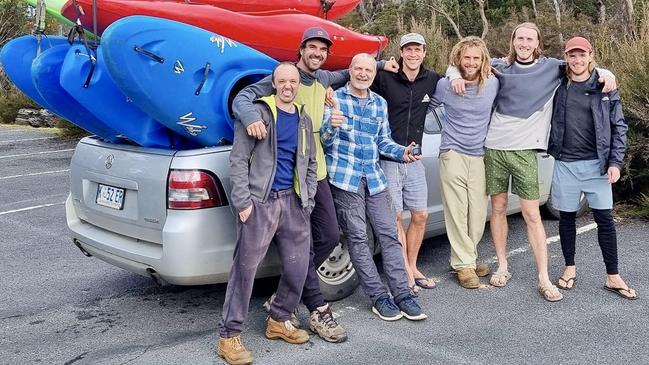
{"points": [[352, 149]]}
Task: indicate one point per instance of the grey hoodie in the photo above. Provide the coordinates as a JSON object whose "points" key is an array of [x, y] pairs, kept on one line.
{"points": [[253, 162]]}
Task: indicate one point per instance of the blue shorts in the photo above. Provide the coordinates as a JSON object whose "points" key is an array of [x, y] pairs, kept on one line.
{"points": [[406, 185], [571, 179]]}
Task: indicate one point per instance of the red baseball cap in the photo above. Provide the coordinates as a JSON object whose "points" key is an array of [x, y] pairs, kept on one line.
{"points": [[578, 43]]}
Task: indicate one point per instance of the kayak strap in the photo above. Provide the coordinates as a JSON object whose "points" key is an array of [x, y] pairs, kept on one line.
{"points": [[78, 31], [151, 55], [203, 79], [326, 6], [39, 24]]}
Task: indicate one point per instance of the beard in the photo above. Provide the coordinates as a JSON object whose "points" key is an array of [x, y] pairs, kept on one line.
{"points": [[468, 76]]}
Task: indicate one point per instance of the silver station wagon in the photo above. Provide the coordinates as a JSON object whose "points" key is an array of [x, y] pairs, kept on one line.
{"points": [[165, 213]]}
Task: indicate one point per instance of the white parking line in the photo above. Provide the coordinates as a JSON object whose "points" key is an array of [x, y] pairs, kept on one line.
{"points": [[34, 174], [549, 240], [30, 208], [36, 153], [26, 139]]}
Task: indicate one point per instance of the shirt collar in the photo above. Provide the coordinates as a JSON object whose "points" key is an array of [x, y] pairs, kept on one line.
{"points": [[371, 96]]}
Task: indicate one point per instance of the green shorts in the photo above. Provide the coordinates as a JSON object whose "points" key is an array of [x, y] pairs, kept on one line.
{"points": [[521, 165]]}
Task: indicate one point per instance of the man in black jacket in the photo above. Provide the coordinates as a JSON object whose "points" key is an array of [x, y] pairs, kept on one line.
{"points": [[408, 92]]}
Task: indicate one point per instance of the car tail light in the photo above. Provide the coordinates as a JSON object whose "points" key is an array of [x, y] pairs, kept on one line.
{"points": [[194, 189]]}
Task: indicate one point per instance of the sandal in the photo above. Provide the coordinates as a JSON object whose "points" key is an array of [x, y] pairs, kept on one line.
{"points": [[425, 283], [414, 290], [500, 278], [547, 290], [619, 291], [569, 283]]}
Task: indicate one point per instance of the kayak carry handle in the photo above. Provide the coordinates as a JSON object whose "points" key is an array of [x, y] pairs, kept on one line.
{"points": [[151, 55], [203, 79]]}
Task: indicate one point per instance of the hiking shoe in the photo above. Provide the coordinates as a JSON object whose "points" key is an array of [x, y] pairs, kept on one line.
{"points": [[324, 324], [233, 352], [286, 331], [410, 309], [294, 320], [385, 308], [468, 278], [482, 270]]}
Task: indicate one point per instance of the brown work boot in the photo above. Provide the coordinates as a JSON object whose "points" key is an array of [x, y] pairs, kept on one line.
{"points": [[285, 331], [482, 270], [468, 279], [232, 351], [324, 324], [294, 320]]}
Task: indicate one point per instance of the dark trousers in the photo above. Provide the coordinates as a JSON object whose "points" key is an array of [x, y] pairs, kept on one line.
{"points": [[281, 217], [352, 210], [606, 236], [325, 234]]}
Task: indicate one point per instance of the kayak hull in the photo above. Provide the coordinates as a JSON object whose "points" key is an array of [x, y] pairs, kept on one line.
{"points": [[100, 95], [17, 57], [182, 76], [45, 74], [278, 36]]}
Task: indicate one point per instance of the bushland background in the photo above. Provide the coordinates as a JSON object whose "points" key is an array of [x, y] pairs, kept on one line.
{"points": [[618, 29]]}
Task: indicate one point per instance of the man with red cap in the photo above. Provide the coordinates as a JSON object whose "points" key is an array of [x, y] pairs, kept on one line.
{"points": [[588, 141]]}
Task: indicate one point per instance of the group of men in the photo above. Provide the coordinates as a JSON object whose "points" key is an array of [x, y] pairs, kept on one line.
{"points": [[306, 163]]}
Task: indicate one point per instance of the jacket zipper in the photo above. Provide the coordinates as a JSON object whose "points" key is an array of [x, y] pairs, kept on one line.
{"points": [[406, 142]]}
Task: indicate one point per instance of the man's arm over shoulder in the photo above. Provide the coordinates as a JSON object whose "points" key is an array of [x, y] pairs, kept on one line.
{"points": [[242, 105], [335, 79], [240, 155]]}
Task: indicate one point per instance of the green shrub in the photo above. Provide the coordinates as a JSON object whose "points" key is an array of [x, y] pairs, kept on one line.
{"points": [[627, 56], [10, 102]]}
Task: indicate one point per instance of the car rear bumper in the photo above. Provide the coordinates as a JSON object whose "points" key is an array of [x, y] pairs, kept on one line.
{"points": [[194, 250]]}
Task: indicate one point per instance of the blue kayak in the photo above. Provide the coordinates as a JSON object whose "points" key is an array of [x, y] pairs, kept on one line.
{"points": [[17, 57], [183, 76], [93, 88], [45, 72]]}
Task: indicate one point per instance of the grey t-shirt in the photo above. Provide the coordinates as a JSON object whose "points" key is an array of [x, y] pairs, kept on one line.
{"points": [[579, 137], [467, 116]]}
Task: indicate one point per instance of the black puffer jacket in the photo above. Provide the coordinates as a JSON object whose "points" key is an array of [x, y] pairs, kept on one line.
{"points": [[407, 101], [610, 127]]}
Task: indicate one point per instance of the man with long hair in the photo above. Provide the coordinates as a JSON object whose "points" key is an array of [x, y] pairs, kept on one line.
{"points": [[461, 163], [519, 128]]}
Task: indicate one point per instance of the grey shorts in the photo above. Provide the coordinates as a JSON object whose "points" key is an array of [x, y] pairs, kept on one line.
{"points": [[571, 179], [407, 185]]}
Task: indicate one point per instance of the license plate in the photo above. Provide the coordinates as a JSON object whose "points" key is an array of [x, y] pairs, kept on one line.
{"points": [[110, 196]]}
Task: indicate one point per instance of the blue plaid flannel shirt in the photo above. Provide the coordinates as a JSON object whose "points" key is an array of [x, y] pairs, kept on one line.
{"points": [[352, 150]]}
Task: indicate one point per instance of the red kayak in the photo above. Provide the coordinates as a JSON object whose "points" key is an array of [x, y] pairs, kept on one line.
{"points": [[278, 36], [328, 9]]}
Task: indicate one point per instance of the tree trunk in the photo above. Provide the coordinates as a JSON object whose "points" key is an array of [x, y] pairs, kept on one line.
{"points": [[557, 16], [483, 16], [630, 17], [536, 14], [601, 11], [438, 7]]}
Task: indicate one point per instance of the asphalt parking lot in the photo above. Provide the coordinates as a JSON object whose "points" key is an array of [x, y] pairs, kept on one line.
{"points": [[60, 307]]}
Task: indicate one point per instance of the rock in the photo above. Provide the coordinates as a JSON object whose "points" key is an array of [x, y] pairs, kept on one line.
{"points": [[36, 118]]}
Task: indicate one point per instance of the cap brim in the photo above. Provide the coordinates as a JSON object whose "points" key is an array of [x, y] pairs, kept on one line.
{"points": [[577, 47], [325, 40], [412, 42]]}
